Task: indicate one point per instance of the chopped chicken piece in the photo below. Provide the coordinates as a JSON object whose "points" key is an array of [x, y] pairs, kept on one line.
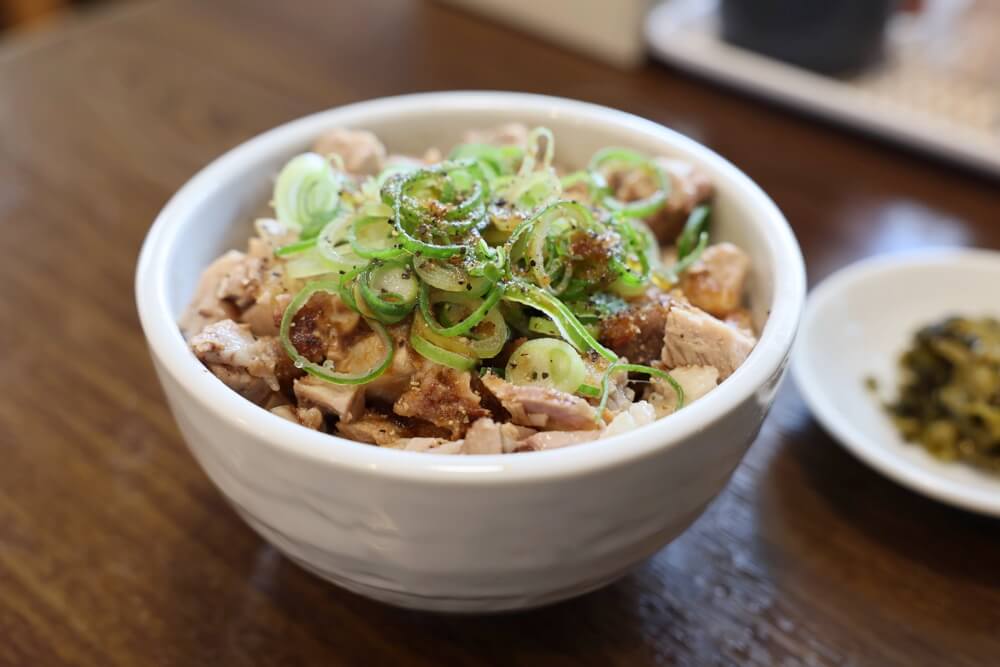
{"points": [[695, 338], [273, 232], [241, 284], [555, 440], [696, 381], [256, 273], [637, 333], [486, 436], [374, 428], [716, 281], [362, 353], [442, 396], [322, 325], [742, 320], [689, 187], [276, 399], [346, 401], [233, 346], [239, 380], [285, 412], [206, 306], [638, 414], [483, 437], [541, 407], [360, 150], [308, 417], [512, 435], [264, 316]]}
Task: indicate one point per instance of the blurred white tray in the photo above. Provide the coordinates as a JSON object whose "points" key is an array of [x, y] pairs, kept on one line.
{"points": [[938, 88]]}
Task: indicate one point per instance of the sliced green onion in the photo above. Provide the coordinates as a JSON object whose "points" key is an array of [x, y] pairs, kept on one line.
{"points": [[694, 227], [439, 355], [569, 327], [522, 195], [307, 193], [499, 159], [594, 186], [449, 277], [375, 237], [597, 307], [346, 289], [624, 266], [514, 315], [621, 157], [542, 325], [673, 273], [389, 289], [527, 245], [547, 362], [531, 153], [439, 202], [326, 371], [545, 327], [488, 344], [589, 391], [295, 247], [427, 301], [309, 264], [333, 245]]}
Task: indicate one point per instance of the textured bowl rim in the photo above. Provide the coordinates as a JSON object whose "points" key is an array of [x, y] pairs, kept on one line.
{"points": [[168, 347]]}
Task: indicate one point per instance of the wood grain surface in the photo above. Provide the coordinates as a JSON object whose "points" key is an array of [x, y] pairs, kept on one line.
{"points": [[115, 550]]}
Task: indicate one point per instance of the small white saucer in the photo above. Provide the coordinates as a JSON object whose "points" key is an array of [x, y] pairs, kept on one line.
{"points": [[856, 324]]}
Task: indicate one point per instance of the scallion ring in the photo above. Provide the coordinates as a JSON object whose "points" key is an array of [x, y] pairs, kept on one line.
{"points": [[569, 327], [436, 353], [307, 193], [325, 371], [547, 362], [375, 237], [389, 289], [427, 301], [618, 158]]}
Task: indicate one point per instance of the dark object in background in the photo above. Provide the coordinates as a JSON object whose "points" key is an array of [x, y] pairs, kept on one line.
{"points": [[29, 13], [830, 36]]}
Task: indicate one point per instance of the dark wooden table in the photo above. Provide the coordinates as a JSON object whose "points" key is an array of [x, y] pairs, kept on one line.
{"points": [[115, 550]]}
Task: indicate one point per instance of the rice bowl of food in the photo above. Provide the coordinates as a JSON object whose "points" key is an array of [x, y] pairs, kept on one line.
{"points": [[410, 339]]}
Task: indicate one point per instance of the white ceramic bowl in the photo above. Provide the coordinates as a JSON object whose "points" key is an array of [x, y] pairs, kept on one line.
{"points": [[465, 533], [857, 323]]}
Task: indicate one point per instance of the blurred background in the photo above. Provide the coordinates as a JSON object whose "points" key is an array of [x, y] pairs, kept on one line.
{"points": [[923, 74]]}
